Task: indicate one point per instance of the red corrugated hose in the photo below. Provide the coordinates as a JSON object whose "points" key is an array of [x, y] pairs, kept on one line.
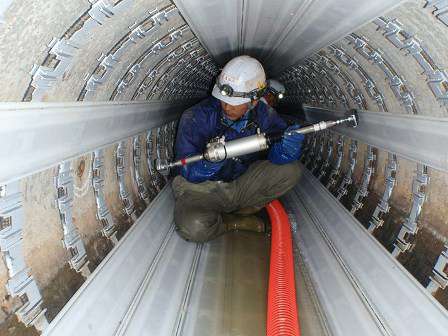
{"points": [[282, 314]]}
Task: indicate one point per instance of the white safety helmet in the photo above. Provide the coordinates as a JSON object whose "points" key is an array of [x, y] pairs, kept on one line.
{"points": [[277, 88], [241, 80]]}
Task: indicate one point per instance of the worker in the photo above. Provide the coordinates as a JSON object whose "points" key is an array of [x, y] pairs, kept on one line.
{"points": [[212, 198], [274, 93]]}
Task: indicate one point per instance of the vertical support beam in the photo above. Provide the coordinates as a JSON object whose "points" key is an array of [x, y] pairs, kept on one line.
{"points": [[369, 169], [138, 179], [409, 228], [326, 164], [161, 147], [383, 206], [72, 239], [172, 138], [316, 164], [347, 180], [153, 173], [20, 283], [306, 146], [128, 203], [167, 141], [334, 173], [312, 152], [439, 277], [103, 214]]}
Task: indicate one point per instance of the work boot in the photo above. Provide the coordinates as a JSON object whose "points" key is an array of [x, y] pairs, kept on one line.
{"points": [[235, 222]]}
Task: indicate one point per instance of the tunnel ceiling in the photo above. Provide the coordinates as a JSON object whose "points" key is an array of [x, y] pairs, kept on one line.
{"points": [[278, 33], [80, 174], [136, 50]]}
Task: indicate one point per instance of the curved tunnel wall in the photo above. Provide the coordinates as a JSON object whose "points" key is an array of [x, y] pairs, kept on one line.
{"points": [[394, 64], [144, 50], [80, 51]]}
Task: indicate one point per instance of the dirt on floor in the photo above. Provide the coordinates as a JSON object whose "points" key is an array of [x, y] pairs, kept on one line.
{"points": [[123, 223], [12, 326], [66, 282], [442, 296], [364, 214], [97, 249], [422, 256], [388, 232]]}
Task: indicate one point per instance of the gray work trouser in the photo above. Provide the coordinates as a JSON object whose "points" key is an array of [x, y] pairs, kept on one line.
{"points": [[199, 206]]}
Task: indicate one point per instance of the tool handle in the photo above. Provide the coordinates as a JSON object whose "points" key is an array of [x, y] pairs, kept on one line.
{"points": [[277, 136]]}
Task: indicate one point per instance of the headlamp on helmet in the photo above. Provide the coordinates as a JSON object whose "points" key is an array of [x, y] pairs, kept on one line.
{"points": [[279, 95], [227, 90]]}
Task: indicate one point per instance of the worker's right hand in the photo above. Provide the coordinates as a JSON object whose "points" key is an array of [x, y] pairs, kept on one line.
{"points": [[289, 148], [292, 142], [201, 171]]}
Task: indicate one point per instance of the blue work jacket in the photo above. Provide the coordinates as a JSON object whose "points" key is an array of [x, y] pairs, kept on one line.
{"points": [[205, 121]]}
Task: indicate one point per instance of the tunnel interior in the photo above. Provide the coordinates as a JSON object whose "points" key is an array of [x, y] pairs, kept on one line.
{"points": [[92, 93]]}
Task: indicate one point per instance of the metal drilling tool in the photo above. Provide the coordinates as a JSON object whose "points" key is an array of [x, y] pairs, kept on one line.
{"points": [[219, 150]]}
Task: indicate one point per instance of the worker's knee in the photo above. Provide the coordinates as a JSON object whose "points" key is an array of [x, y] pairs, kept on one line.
{"points": [[289, 174], [196, 224]]}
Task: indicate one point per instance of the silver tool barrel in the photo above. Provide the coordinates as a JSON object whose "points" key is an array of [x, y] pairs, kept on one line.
{"points": [[234, 148]]}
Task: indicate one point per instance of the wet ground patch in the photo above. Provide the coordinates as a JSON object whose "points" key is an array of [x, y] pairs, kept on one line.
{"points": [[388, 232], [123, 223], [61, 288], [422, 256], [97, 249], [12, 326], [364, 214], [442, 296]]}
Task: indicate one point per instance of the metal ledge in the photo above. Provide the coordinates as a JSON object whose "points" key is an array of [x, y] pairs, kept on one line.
{"points": [[155, 283], [417, 138], [362, 289], [103, 303], [36, 136]]}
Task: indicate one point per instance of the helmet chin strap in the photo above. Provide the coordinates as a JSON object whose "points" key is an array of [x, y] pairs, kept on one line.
{"points": [[251, 105]]}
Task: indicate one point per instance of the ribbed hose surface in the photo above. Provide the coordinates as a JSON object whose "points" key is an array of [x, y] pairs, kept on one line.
{"points": [[282, 314]]}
